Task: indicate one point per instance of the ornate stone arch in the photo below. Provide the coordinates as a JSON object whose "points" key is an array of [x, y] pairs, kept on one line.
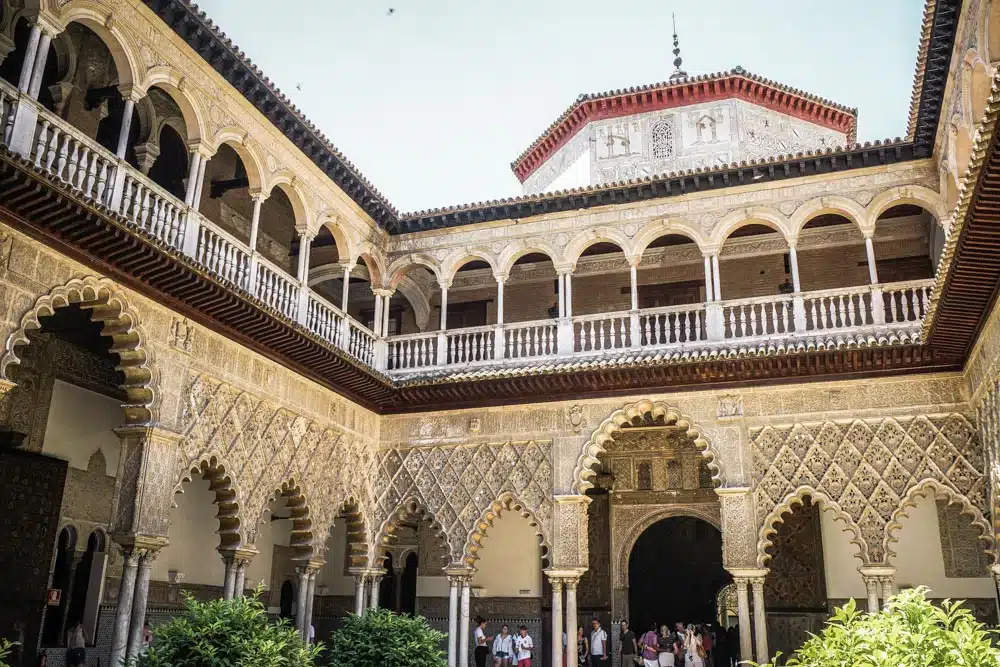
{"points": [[120, 322], [410, 509], [507, 501], [906, 194], [342, 236], [613, 425], [456, 260], [296, 197], [580, 242], [939, 491], [834, 204], [172, 83], [301, 539], [753, 215], [373, 261], [515, 251], [769, 527], [213, 467], [660, 228], [123, 51], [626, 542], [236, 140]]}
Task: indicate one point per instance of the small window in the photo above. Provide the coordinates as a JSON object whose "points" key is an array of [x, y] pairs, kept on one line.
{"points": [[663, 139]]}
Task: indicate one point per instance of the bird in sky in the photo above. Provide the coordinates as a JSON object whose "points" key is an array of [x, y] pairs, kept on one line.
{"points": [[298, 87], [392, 10]]}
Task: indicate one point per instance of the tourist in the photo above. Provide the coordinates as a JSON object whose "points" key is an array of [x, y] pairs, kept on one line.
{"points": [[708, 643], [693, 647], [482, 647], [503, 647], [76, 643], [523, 645], [626, 645], [582, 648], [679, 633], [598, 644], [665, 647], [42, 661], [648, 645], [147, 637]]}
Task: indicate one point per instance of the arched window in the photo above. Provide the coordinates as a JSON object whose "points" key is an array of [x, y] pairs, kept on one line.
{"points": [[663, 138]]}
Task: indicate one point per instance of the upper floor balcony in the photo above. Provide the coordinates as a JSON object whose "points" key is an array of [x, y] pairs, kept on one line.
{"points": [[751, 290]]}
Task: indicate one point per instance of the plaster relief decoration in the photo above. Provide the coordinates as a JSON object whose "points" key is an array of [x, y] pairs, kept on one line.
{"points": [[182, 335], [730, 407], [265, 448], [460, 487], [868, 472]]}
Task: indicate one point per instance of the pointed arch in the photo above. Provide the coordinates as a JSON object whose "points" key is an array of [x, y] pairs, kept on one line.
{"points": [[756, 215], [612, 426], [119, 321], [213, 467], [458, 259], [580, 242], [794, 499], [938, 491], [836, 205], [172, 83], [507, 501]]}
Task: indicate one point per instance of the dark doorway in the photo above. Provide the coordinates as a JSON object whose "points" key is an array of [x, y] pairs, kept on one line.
{"points": [[287, 596], [387, 586], [675, 571], [409, 586]]}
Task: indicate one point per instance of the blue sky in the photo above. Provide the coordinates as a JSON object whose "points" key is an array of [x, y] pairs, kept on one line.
{"points": [[434, 101]]}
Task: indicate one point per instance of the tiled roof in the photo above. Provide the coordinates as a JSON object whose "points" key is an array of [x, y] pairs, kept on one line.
{"points": [[735, 83]]}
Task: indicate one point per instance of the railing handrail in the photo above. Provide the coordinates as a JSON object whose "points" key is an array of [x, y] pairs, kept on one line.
{"points": [[216, 229], [531, 323], [484, 328], [429, 335], [757, 300], [313, 296], [837, 291], [10, 89], [610, 315], [147, 182], [667, 310], [360, 327], [907, 284], [66, 127]]}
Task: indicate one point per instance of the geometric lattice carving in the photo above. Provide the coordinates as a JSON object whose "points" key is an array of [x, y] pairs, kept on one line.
{"points": [[462, 487], [867, 472], [960, 547], [797, 580]]}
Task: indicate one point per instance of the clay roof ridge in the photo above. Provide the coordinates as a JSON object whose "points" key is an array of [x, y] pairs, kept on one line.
{"points": [[737, 71], [654, 178], [317, 133], [923, 46]]}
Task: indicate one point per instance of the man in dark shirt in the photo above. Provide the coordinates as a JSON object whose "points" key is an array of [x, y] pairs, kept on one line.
{"points": [[627, 647]]}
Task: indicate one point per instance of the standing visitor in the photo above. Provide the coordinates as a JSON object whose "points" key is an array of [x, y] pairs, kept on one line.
{"points": [[679, 634], [76, 643], [649, 645], [503, 647], [523, 645], [693, 647], [582, 648], [665, 647], [708, 643], [626, 646], [147, 637], [482, 649], [598, 644]]}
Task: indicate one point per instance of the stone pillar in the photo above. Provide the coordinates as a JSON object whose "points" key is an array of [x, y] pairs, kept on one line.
{"points": [[123, 613], [634, 281], [454, 581], [200, 181], [29, 58], [241, 561], [463, 630], [561, 282], [571, 622], [38, 70], [793, 261], [569, 294], [229, 580], [139, 599], [194, 169], [444, 307], [743, 609], [872, 268], [759, 618], [386, 301], [887, 581], [314, 568], [709, 293], [126, 124], [715, 277], [878, 583], [557, 621], [258, 201], [345, 293], [871, 587], [300, 600], [359, 594], [376, 579], [442, 339]]}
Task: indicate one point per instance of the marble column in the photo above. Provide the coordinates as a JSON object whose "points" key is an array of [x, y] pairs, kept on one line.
{"points": [[463, 630], [345, 291], [561, 281], [194, 169], [29, 58], [870, 252], [557, 622], [571, 622], [123, 613], [141, 595], [38, 70], [229, 582], [886, 582], [743, 609], [239, 584], [258, 201], [300, 601], [359, 594], [373, 593], [453, 584], [569, 294], [500, 284], [793, 261], [759, 619], [310, 597], [709, 296], [444, 307], [200, 182], [871, 587], [634, 283], [716, 281], [126, 127]]}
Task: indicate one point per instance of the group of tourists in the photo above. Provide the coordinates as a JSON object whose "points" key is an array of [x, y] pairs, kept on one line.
{"points": [[507, 649], [687, 645]]}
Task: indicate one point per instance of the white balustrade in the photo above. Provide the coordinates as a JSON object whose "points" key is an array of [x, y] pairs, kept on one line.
{"points": [[361, 342], [276, 288], [467, 346], [838, 309], [752, 318], [8, 99], [526, 340], [906, 302], [412, 351], [152, 208], [64, 152], [324, 319], [672, 324], [602, 332], [223, 255]]}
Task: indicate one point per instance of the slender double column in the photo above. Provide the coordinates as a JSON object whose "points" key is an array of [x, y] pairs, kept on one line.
{"points": [[759, 618], [458, 582], [359, 594], [751, 580], [133, 593], [561, 580], [878, 583]]}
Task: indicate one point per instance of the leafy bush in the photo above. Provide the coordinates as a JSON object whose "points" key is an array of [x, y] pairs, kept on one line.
{"points": [[6, 647], [910, 631], [380, 638], [226, 633]]}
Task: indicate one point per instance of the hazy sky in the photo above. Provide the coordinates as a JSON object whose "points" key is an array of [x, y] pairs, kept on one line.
{"points": [[433, 102]]}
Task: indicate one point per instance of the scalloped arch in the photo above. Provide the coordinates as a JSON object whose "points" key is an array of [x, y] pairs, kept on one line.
{"points": [[120, 322], [409, 509], [941, 491], [606, 431], [213, 467], [794, 499], [301, 538], [507, 501]]}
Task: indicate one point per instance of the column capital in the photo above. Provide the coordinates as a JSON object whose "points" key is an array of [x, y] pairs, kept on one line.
{"points": [[710, 250], [564, 269], [458, 575], [444, 284], [200, 147], [45, 25], [747, 573], [256, 194], [877, 571], [501, 277], [238, 554], [383, 292], [634, 260], [347, 265], [131, 92], [564, 575]]}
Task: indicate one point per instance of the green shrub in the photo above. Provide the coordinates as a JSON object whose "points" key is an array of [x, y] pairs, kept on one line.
{"points": [[6, 647], [380, 638], [226, 633], [910, 631]]}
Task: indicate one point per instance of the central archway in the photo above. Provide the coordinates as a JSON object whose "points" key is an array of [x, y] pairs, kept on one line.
{"points": [[675, 572]]}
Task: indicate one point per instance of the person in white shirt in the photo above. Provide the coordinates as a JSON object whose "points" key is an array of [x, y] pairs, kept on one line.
{"points": [[598, 644], [482, 642], [523, 646], [503, 647]]}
